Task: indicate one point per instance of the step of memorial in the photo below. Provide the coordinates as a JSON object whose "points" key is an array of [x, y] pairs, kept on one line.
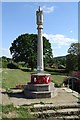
{"points": [[40, 87], [34, 94]]}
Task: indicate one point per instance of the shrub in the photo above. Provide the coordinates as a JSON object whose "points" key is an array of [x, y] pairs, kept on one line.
{"points": [[61, 67], [75, 74], [4, 63], [12, 66], [55, 70]]}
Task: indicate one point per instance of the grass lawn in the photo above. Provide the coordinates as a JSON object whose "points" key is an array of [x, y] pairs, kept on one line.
{"points": [[57, 78], [13, 77], [18, 113]]}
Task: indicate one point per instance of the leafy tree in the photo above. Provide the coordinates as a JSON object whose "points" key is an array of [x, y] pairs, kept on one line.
{"points": [[79, 61], [71, 62], [24, 49], [74, 49], [12, 65], [60, 61], [3, 62], [73, 59]]}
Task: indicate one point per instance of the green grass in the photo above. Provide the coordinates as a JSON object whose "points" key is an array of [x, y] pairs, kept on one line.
{"points": [[13, 77], [19, 112], [57, 77], [8, 108]]}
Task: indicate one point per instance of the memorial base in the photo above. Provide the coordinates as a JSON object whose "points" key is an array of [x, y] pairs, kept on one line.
{"points": [[40, 87], [39, 90]]}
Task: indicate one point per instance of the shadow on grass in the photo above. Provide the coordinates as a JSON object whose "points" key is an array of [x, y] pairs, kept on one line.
{"points": [[57, 73], [26, 70]]}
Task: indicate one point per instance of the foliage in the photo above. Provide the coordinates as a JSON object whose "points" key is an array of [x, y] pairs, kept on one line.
{"points": [[74, 50], [61, 60], [73, 58], [0, 62], [12, 66], [75, 74], [24, 49], [8, 108], [71, 62], [61, 67], [24, 112], [4, 61], [55, 70], [20, 112], [79, 61]]}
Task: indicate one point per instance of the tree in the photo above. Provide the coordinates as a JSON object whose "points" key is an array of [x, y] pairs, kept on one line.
{"points": [[73, 59], [74, 49], [4, 61], [24, 49], [60, 61], [79, 61], [71, 62]]}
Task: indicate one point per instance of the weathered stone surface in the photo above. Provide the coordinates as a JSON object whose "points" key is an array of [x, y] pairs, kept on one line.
{"points": [[39, 90], [37, 87]]}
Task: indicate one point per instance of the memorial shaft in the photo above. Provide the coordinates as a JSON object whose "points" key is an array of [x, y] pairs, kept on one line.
{"points": [[40, 66]]}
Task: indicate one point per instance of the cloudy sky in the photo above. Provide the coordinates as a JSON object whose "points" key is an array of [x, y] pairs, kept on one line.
{"points": [[60, 23]]}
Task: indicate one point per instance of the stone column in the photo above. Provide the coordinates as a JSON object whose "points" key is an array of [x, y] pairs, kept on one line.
{"points": [[40, 77], [40, 50], [39, 15]]}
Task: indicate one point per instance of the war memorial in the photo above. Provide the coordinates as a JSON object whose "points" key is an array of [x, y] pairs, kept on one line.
{"points": [[40, 85], [39, 98]]}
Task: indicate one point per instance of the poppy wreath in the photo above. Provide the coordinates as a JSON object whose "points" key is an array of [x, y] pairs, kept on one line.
{"points": [[40, 79]]}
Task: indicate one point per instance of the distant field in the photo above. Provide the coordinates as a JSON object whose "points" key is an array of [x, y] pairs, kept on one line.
{"points": [[12, 77]]}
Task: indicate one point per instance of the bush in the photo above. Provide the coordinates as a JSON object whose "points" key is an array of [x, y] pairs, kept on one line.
{"points": [[57, 85], [4, 64], [55, 70], [61, 67], [4, 61], [12, 66], [75, 74]]}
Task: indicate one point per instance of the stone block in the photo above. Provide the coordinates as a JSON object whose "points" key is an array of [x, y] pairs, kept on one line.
{"points": [[38, 87], [39, 90]]}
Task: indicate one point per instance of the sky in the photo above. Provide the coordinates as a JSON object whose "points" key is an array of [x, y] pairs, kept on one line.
{"points": [[60, 24]]}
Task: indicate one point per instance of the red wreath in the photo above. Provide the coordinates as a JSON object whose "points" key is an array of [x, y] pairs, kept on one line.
{"points": [[40, 79]]}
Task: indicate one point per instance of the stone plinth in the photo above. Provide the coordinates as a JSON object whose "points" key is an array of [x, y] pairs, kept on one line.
{"points": [[38, 87], [39, 90]]}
